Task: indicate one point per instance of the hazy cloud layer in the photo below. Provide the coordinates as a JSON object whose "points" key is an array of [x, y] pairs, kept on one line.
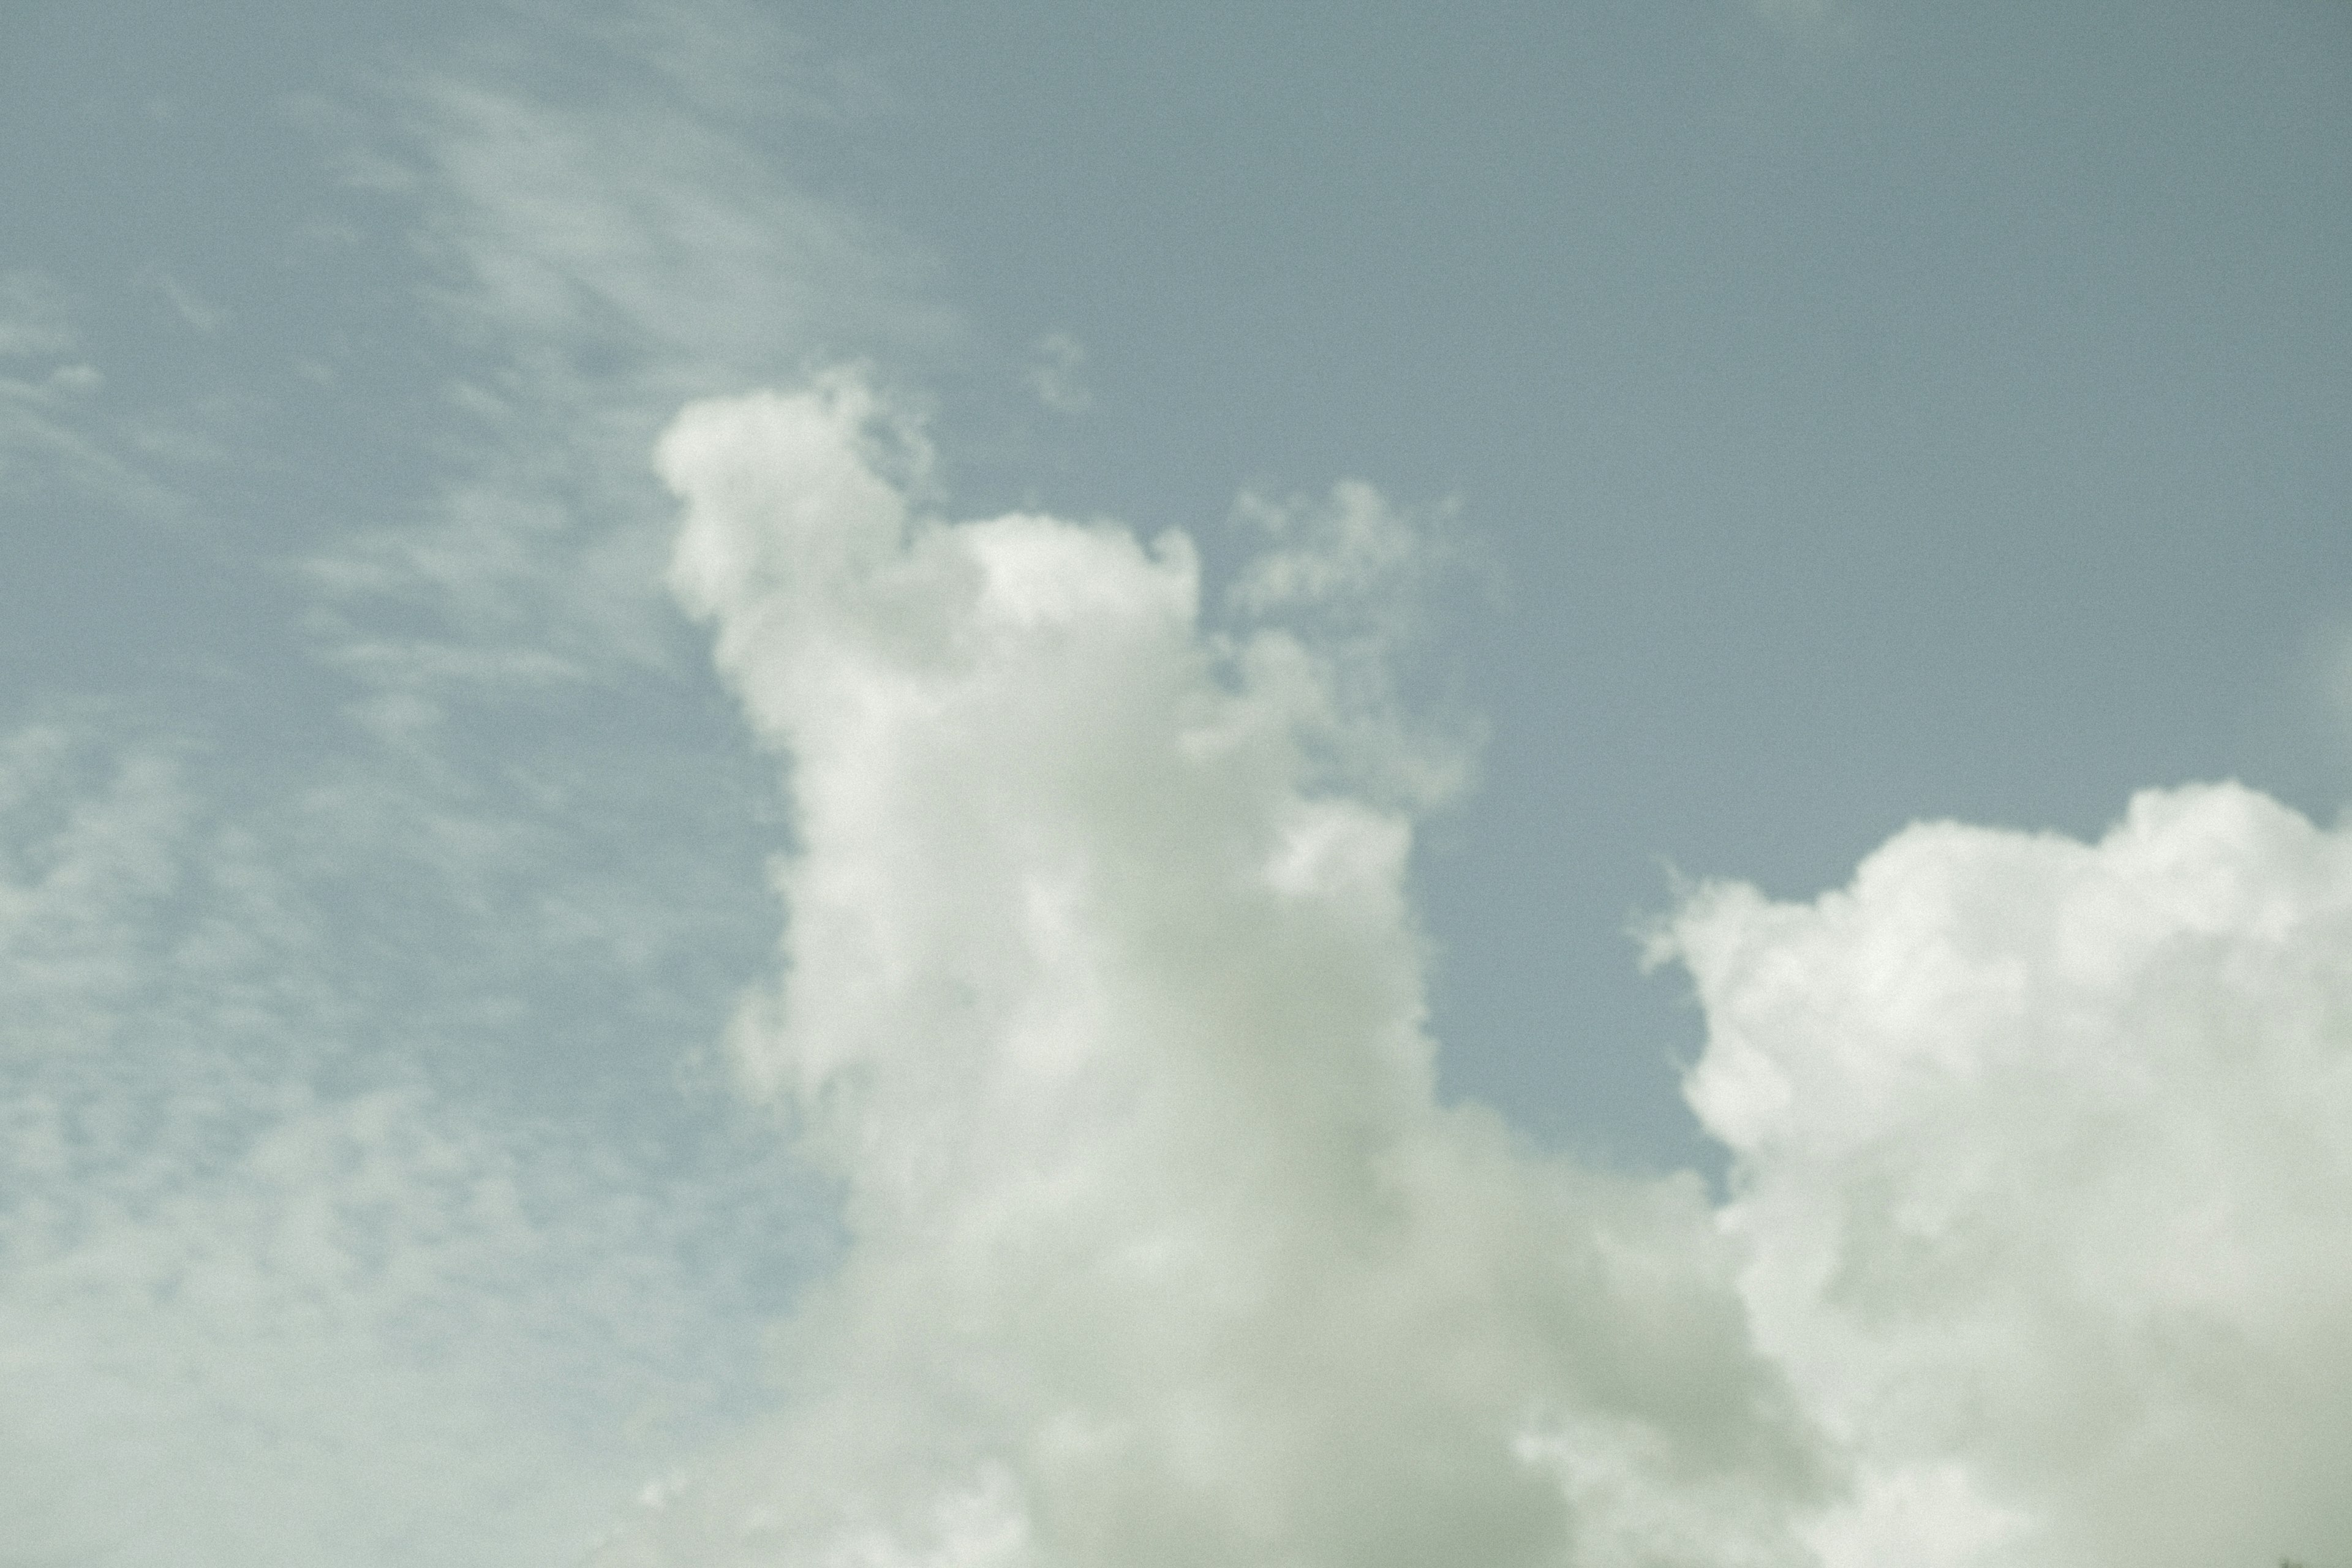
{"points": [[2041, 1184], [267, 1295], [362, 1199], [241, 1323]]}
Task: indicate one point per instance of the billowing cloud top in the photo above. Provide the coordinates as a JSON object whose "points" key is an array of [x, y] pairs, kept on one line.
{"points": [[2044, 1184], [1102, 1003]]}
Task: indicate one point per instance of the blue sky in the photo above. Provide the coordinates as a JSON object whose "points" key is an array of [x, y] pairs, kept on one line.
{"points": [[1631, 451], [1890, 414]]}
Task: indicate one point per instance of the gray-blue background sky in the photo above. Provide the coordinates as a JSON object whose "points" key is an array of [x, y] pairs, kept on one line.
{"points": [[1859, 413], [1850, 414]]}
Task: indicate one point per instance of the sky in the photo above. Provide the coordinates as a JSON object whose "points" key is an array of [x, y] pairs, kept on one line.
{"points": [[924, 787]]}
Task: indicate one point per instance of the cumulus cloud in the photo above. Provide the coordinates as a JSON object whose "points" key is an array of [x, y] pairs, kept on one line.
{"points": [[2041, 1186], [1103, 1001]]}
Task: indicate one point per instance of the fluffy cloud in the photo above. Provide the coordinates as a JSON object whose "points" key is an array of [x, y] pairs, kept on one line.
{"points": [[2041, 1182], [1102, 1003]]}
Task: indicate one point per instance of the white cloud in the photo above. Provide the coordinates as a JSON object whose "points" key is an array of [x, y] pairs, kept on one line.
{"points": [[1109, 1022], [1102, 1008], [2042, 1186], [1102, 999]]}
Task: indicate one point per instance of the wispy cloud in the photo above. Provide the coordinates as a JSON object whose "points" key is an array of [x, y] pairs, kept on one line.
{"points": [[59, 448], [591, 259], [322, 1239], [1057, 374], [198, 314], [270, 1298], [246, 1324], [35, 320]]}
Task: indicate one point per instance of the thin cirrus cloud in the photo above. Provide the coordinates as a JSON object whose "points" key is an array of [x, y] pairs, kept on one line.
{"points": [[317, 1240], [587, 264], [53, 437], [267, 1293]]}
